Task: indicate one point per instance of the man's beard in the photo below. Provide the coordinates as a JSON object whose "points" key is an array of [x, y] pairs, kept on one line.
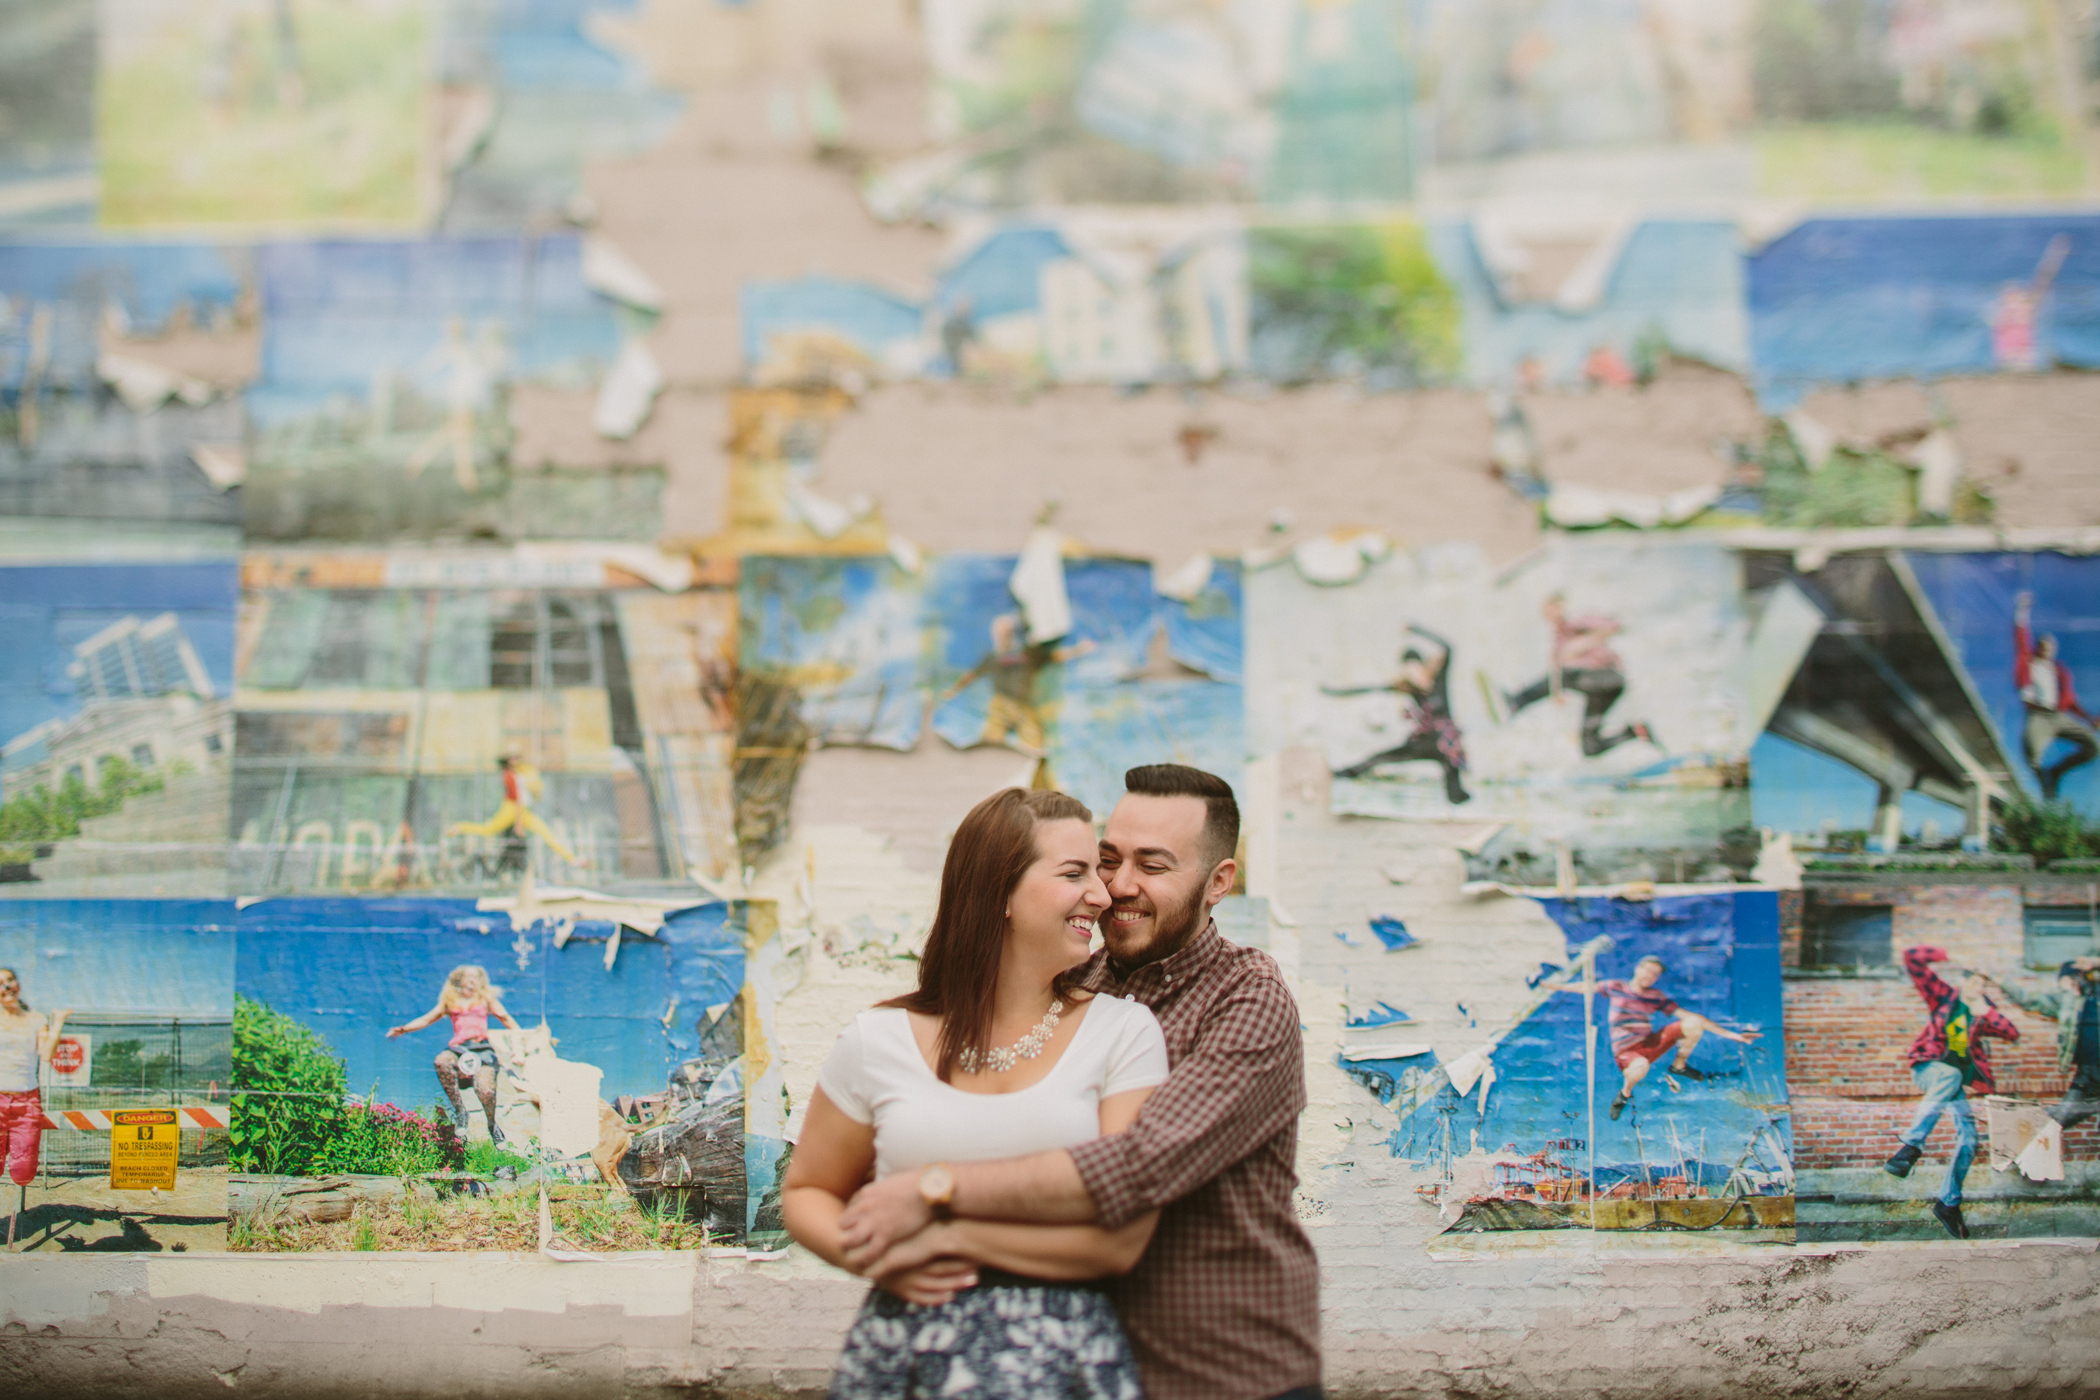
{"points": [[1171, 931]]}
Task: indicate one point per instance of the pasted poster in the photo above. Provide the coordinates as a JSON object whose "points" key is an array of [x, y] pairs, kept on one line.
{"points": [[1636, 1084], [1078, 104], [116, 1036], [47, 113], [532, 94], [1587, 700], [505, 1073], [264, 112], [116, 728], [1818, 101], [1077, 663], [436, 721], [382, 410], [1131, 677], [1842, 300], [121, 369]]}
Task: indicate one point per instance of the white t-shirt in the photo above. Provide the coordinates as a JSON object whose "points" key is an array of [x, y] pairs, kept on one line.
{"points": [[876, 1075], [18, 1059]]}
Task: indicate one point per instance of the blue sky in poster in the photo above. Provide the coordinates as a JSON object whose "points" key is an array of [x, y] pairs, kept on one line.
{"points": [[351, 968], [1722, 957], [1001, 276], [845, 632], [1101, 721], [1841, 300], [874, 321], [163, 957], [1974, 596], [1680, 281], [337, 315], [1799, 790], [46, 610]]}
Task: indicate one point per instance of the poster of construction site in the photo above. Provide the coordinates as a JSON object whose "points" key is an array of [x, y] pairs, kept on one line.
{"points": [[1928, 759], [1632, 1086], [424, 721], [116, 728], [116, 1038], [557, 1070]]}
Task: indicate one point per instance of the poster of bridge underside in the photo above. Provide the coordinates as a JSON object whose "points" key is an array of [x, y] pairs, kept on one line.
{"points": [[1634, 1086]]}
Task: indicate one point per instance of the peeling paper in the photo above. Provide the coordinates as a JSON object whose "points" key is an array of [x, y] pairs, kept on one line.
{"points": [[2024, 1136], [1038, 585], [565, 907], [224, 464], [1939, 464], [1579, 506], [1814, 441], [629, 392], [608, 270], [907, 555], [1469, 1069], [145, 386], [1187, 581], [670, 573], [568, 1095], [824, 515], [1333, 560]]}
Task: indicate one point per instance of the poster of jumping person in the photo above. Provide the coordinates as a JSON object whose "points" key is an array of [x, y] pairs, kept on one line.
{"points": [[1420, 682]]}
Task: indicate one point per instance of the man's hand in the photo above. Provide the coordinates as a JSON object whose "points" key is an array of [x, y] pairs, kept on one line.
{"points": [[932, 1283], [936, 1241], [882, 1215]]}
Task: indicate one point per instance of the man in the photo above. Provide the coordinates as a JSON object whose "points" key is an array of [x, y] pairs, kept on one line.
{"points": [[1225, 1303], [1583, 662], [2075, 1006], [1947, 1057], [1425, 686], [1013, 668], [1636, 1043], [2050, 699]]}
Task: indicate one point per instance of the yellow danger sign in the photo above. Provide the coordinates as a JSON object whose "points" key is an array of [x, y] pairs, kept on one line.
{"points": [[143, 1146]]}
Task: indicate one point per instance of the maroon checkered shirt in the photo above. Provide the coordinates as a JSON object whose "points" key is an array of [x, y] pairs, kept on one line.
{"points": [[1225, 1304]]}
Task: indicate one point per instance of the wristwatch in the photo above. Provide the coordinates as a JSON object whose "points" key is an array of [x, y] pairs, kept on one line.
{"points": [[937, 1189]]}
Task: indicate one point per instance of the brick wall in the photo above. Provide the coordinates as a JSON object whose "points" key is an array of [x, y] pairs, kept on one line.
{"points": [[1847, 1038]]}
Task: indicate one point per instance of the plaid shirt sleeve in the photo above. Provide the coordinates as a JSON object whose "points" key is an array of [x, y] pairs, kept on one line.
{"points": [[1241, 1083]]}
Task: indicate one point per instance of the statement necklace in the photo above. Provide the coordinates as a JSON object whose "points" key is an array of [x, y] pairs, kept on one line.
{"points": [[969, 1061]]}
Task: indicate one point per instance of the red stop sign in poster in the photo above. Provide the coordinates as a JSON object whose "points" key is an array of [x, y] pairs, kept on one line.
{"points": [[68, 1055]]}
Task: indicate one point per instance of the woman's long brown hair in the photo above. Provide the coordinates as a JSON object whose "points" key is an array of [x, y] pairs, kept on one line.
{"points": [[959, 971]]}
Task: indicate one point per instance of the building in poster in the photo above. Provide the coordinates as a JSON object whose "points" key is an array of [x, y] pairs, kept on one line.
{"points": [[119, 734], [415, 720]]}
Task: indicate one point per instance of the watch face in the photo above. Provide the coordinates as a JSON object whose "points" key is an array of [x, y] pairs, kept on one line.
{"points": [[936, 1185]]}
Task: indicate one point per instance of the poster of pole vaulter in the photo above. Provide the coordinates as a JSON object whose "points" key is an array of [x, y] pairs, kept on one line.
{"points": [[554, 1069], [1086, 665], [1598, 721], [1637, 1085], [449, 720], [116, 1035], [116, 727]]}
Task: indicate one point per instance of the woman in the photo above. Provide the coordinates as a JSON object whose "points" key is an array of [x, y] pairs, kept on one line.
{"points": [[998, 1053], [469, 1001], [27, 1039]]}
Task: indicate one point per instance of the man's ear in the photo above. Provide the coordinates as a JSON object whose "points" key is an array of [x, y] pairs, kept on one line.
{"points": [[1222, 876]]}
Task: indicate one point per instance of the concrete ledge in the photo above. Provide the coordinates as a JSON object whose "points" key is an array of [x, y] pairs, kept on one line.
{"points": [[1852, 1321]]}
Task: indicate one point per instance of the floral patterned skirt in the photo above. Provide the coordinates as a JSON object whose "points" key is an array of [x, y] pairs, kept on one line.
{"points": [[998, 1341]]}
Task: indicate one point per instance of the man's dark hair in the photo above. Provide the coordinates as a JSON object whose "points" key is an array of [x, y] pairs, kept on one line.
{"points": [[1221, 812]]}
